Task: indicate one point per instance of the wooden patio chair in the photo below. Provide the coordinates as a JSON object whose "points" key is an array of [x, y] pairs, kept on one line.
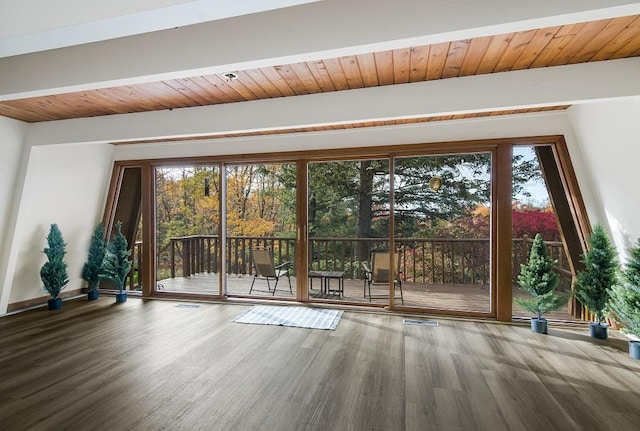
{"points": [[377, 273], [262, 261]]}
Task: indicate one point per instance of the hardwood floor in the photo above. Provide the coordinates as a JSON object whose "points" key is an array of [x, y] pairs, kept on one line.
{"points": [[154, 364]]}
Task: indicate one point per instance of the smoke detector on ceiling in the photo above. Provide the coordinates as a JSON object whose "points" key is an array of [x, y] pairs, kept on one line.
{"points": [[230, 76]]}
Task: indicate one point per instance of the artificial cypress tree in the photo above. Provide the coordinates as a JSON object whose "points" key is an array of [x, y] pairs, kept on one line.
{"points": [[116, 264], [599, 274], [54, 272], [539, 278], [93, 265], [624, 300], [632, 268]]}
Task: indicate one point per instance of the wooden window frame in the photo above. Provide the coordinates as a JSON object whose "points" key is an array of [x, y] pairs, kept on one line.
{"points": [[501, 232]]}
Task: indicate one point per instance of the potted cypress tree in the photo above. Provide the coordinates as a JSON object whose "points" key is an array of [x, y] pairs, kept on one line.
{"points": [[54, 271], [116, 264], [539, 279], [594, 282], [624, 301], [93, 265]]}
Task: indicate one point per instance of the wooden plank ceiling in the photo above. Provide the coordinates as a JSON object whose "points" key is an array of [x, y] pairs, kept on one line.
{"points": [[568, 44]]}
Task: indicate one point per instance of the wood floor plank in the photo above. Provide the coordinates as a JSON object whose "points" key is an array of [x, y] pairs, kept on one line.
{"points": [[155, 365]]}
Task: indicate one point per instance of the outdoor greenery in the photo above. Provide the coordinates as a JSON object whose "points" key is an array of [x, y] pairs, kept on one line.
{"points": [[624, 301], [116, 265], [347, 199], [54, 272], [93, 265], [594, 282], [539, 279]]}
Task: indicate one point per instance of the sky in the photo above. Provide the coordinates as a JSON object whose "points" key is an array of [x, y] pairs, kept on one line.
{"points": [[538, 190]]}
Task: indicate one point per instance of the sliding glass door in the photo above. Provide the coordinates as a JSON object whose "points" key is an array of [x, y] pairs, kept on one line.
{"points": [[534, 213], [348, 220], [188, 229], [260, 229], [442, 207], [414, 227]]}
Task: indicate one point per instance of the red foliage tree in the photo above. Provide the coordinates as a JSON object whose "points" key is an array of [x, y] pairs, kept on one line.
{"points": [[531, 221]]}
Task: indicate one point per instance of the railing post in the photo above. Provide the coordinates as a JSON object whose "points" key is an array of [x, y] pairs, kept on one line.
{"points": [[200, 255], [140, 261], [173, 259], [216, 245], [524, 252], [194, 255], [186, 257]]}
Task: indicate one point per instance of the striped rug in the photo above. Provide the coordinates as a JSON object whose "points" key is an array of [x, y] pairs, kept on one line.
{"points": [[300, 317]]}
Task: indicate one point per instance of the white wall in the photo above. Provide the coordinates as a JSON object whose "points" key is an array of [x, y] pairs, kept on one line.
{"points": [[64, 184], [609, 136], [13, 137]]}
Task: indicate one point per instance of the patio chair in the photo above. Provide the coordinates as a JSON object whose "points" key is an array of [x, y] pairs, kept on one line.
{"points": [[262, 261], [377, 273]]}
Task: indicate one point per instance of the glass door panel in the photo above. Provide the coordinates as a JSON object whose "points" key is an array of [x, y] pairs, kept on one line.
{"points": [[533, 213], [187, 229], [348, 220], [442, 231], [261, 230]]}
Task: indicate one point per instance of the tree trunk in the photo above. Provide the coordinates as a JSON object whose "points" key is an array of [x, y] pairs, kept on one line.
{"points": [[365, 210]]}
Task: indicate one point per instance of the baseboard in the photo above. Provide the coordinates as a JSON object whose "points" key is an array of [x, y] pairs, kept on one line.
{"points": [[42, 300]]}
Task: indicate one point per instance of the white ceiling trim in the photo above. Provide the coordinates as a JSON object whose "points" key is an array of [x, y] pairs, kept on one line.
{"points": [[508, 126]]}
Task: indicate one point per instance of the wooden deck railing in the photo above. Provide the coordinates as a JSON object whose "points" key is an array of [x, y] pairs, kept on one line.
{"points": [[423, 260]]}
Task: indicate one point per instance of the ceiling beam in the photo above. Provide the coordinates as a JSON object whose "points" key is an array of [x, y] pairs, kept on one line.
{"points": [[330, 28], [71, 22], [499, 91]]}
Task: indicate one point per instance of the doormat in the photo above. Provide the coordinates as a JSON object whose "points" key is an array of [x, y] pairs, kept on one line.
{"points": [[299, 317], [420, 322]]}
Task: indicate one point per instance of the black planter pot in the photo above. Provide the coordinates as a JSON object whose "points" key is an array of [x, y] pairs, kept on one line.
{"points": [[54, 304], [121, 297], [598, 330], [539, 325], [93, 295], [634, 349]]}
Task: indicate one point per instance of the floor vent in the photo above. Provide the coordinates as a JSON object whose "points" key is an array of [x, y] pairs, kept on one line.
{"points": [[187, 306], [420, 322]]}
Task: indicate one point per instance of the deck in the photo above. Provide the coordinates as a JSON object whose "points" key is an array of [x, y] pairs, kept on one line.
{"points": [[453, 297]]}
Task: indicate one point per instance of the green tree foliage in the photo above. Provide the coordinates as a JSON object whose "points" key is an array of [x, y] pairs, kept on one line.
{"points": [[346, 198], [54, 272], [594, 282], [187, 202], [539, 279], [624, 297], [632, 267], [93, 265], [465, 186], [116, 264]]}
